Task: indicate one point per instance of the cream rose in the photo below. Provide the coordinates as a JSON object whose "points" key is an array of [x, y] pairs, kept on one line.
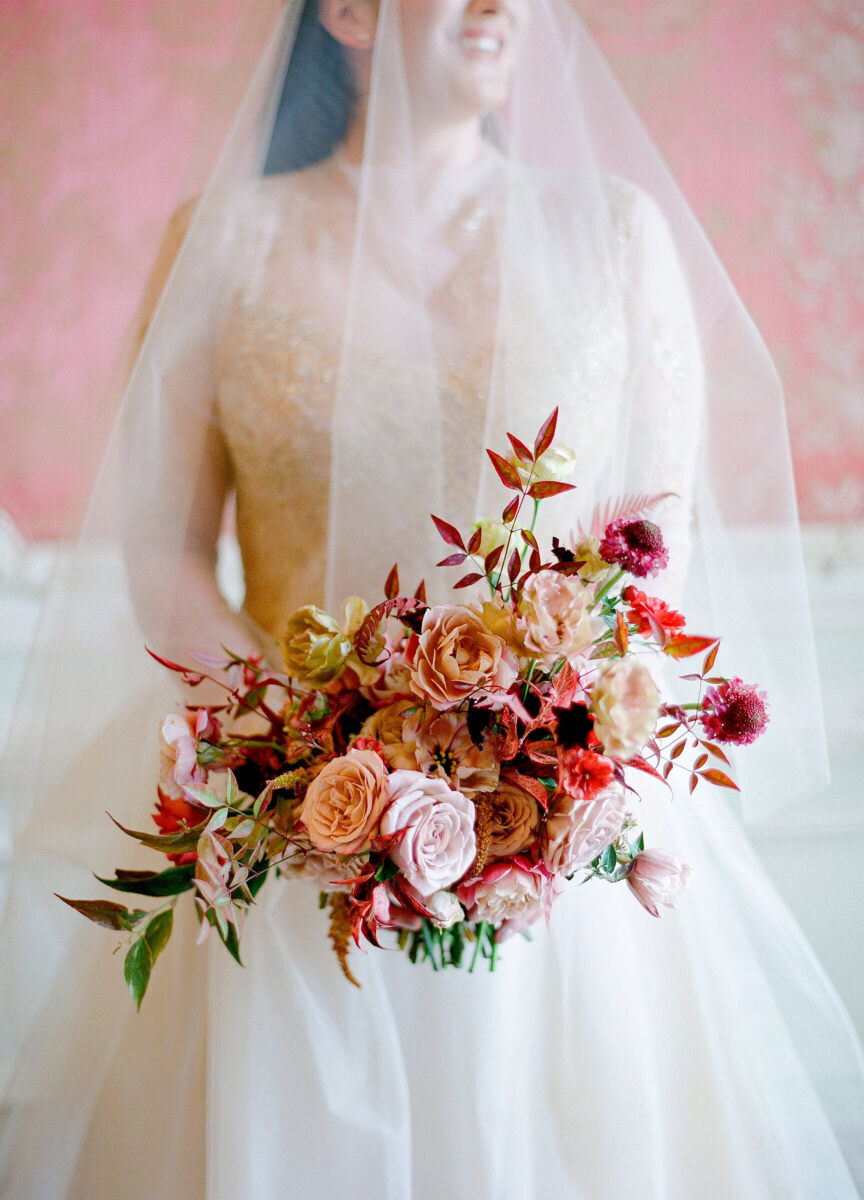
{"points": [[558, 463], [439, 844], [625, 702], [343, 803], [555, 618], [457, 656], [578, 830], [387, 726], [445, 909]]}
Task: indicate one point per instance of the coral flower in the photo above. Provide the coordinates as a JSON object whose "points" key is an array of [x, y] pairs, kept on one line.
{"points": [[637, 546], [584, 774], [642, 607], [735, 712]]}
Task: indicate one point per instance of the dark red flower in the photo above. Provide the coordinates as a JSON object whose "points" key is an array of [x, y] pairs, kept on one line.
{"points": [[642, 607], [584, 774], [637, 546], [735, 712]]}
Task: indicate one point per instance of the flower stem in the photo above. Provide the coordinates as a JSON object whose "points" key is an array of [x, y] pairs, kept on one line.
{"points": [[610, 583]]}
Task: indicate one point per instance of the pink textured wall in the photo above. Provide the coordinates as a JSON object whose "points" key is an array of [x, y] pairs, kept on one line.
{"points": [[109, 112]]}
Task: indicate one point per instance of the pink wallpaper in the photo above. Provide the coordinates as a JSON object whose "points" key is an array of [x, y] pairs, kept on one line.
{"points": [[109, 112]]}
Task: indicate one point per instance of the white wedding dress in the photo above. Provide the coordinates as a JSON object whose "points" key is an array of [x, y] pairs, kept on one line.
{"points": [[704, 1054]]}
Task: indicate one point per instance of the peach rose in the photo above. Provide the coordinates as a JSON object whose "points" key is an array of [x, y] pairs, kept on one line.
{"points": [[625, 702], [457, 656], [578, 830], [439, 844], [344, 803], [555, 617], [515, 819], [656, 879]]}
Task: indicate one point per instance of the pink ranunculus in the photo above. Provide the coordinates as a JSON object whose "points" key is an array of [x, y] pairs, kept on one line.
{"points": [[555, 617], [656, 879], [457, 656], [578, 830], [510, 891], [439, 844], [625, 702]]}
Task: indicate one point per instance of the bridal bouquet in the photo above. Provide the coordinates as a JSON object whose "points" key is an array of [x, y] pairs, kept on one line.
{"points": [[440, 772]]}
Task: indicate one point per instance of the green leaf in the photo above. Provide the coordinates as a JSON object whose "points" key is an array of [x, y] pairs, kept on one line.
{"points": [[608, 860], [175, 843], [387, 870], [106, 913], [204, 796], [257, 881], [170, 882], [231, 941], [158, 932], [137, 968]]}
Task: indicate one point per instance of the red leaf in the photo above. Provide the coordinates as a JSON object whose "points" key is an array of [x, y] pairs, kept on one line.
{"points": [[547, 432], [641, 765], [620, 634], [510, 511], [190, 677], [716, 751], [535, 562], [449, 533], [514, 566], [700, 762], [453, 560], [507, 473], [657, 630], [468, 580], [667, 770], [529, 537], [532, 786], [474, 541], [694, 779], [400, 607], [710, 659], [566, 568], [491, 560], [521, 449], [545, 488], [683, 646], [668, 730], [391, 587], [718, 778], [420, 594], [678, 751]]}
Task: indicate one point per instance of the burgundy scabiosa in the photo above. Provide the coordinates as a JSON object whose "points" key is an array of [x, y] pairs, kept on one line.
{"points": [[734, 711], [637, 546]]}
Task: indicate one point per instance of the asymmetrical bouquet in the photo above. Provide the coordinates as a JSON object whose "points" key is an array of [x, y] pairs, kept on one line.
{"points": [[440, 772]]}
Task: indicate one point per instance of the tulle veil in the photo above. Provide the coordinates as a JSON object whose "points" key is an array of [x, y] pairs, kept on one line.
{"points": [[191, 1096]]}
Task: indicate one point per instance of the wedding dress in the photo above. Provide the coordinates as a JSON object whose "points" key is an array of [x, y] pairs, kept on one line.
{"points": [[704, 1054]]}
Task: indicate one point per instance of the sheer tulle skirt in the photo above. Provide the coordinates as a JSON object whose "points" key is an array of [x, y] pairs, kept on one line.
{"points": [[615, 1053]]}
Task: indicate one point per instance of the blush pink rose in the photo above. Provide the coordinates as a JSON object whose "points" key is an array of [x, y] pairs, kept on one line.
{"points": [[657, 878], [510, 892], [625, 702], [457, 656], [344, 802], [439, 844], [578, 830]]}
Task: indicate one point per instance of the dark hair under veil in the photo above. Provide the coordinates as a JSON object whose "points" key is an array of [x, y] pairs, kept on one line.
{"points": [[316, 100]]}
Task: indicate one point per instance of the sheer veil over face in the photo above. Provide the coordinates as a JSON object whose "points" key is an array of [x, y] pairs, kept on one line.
{"points": [[422, 232]]}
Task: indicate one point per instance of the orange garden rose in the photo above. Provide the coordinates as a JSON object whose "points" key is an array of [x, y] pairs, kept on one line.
{"points": [[458, 656], [344, 803]]}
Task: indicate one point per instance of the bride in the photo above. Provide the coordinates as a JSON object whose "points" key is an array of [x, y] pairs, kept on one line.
{"points": [[460, 226]]}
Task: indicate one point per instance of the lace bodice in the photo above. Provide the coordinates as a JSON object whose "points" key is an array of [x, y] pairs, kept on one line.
{"points": [[278, 364]]}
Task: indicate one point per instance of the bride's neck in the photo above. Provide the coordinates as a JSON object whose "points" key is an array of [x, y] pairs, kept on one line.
{"points": [[435, 146]]}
